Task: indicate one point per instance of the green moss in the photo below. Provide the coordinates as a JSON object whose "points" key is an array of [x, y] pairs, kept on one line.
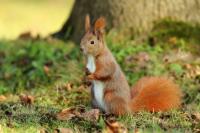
{"points": [[167, 28]]}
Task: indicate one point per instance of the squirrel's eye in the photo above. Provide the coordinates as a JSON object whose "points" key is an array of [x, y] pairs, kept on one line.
{"points": [[91, 42]]}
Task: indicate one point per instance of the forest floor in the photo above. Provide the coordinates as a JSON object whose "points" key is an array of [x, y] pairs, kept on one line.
{"points": [[41, 77]]}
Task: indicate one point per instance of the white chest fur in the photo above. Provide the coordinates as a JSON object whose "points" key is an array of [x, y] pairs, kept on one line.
{"points": [[98, 86], [91, 64]]}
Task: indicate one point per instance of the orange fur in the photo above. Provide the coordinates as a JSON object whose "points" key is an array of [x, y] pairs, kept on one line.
{"points": [[155, 94], [99, 24], [104, 69], [117, 104]]}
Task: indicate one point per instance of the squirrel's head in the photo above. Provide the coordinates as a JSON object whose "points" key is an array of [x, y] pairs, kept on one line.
{"points": [[92, 42]]}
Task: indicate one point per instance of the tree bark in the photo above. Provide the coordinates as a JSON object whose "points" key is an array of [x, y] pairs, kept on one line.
{"points": [[134, 16]]}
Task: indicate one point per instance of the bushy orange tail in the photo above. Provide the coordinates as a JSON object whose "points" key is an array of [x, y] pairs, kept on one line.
{"points": [[155, 94]]}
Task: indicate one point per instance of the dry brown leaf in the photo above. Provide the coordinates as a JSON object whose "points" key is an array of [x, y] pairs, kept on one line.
{"points": [[143, 56], [67, 114], [178, 55], [2, 98], [64, 86], [81, 89], [192, 71], [188, 66], [46, 69], [136, 130], [43, 130], [196, 115], [92, 115], [26, 99], [197, 70], [141, 59], [115, 127], [68, 86], [172, 40], [63, 130]]}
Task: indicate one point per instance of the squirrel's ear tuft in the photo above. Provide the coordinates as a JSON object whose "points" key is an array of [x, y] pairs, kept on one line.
{"points": [[100, 24], [87, 23]]}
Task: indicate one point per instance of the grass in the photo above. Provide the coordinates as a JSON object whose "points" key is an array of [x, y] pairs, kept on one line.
{"points": [[42, 68]]}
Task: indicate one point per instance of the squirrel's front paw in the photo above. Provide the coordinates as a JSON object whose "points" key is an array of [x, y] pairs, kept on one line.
{"points": [[87, 72], [91, 77]]}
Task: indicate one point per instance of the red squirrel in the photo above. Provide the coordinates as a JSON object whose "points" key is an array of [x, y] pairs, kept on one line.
{"points": [[110, 90]]}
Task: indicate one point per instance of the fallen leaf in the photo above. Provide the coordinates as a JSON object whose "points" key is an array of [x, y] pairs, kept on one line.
{"points": [[192, 71], [2, 98], [115, 127], [136, 130], [166, 59], [67, 114], [68, 86], [196, 116], [64, 86], [63, 130], [141, 59], [172, 40], [92, 115], [178, 55], [26, 99], [82, 89], [43, 130], [197, 71], [188, 66], [46, 69], [143, 56]]}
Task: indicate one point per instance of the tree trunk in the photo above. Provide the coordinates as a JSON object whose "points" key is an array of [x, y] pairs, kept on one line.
{"points": [[136, 16]]}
